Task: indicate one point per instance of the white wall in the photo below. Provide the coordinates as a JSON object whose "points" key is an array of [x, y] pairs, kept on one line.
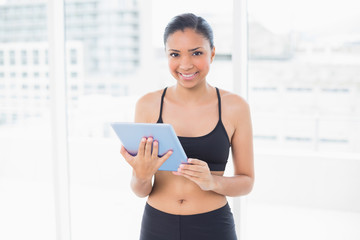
{"points": [[321, 181]]}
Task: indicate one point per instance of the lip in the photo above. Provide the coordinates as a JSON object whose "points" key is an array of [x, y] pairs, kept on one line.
{"points": [[189, 76]]}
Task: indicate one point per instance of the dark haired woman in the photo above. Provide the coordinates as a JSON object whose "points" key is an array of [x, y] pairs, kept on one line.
{"points": [[191, 203]]}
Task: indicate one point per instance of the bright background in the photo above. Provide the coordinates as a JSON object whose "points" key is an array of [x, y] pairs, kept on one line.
{"points": [[304, 93]]}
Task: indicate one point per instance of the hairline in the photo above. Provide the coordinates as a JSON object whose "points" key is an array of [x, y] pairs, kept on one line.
{"points": [[195, 30]]}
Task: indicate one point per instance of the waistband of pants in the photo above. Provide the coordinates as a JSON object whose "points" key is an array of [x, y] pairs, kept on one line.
{"points": [[220, 210]]}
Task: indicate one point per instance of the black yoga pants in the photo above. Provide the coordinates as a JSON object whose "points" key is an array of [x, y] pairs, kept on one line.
{"points": [[213, 225]]}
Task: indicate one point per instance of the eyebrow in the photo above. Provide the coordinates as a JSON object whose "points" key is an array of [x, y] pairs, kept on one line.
{"points": [[190, 50]]}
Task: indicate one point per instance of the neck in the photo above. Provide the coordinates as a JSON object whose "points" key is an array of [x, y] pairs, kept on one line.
{"points": [[192, 95]]}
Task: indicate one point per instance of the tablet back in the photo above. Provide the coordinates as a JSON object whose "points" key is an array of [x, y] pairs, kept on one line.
{"points": [[130, 135]]}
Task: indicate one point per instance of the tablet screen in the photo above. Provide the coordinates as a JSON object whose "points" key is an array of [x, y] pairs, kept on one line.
{"points": [[130, 135]]}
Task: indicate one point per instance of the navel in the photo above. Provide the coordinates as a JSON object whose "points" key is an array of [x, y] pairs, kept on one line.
{"points": [[181, 201]]}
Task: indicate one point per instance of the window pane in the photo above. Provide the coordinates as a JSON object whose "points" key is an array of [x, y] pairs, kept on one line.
{"points": [[115, 54], [304, 68], [26, 179]]}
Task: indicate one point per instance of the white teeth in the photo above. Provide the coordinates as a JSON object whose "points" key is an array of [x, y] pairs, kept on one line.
{"points": [[190, 75]]}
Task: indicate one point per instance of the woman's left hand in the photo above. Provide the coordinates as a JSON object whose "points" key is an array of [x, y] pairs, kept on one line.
{"points": [[197, 171]]}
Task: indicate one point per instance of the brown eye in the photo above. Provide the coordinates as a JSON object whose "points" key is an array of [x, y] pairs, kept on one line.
{"points": [[174, 54], [197, 53]]}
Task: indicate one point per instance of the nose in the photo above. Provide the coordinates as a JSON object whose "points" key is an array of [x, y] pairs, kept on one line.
{"points": [[186, 63]]}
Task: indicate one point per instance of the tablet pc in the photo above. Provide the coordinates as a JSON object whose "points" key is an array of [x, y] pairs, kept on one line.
{"points": [[130, 135]]}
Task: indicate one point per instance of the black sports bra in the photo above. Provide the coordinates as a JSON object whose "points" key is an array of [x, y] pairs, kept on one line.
{"points": [[213, 148]]}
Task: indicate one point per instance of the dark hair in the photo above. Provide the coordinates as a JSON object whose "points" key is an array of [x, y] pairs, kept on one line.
{"points": [[189, 20]]}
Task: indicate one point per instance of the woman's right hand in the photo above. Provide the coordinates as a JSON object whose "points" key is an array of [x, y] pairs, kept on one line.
{"points": [[145, 163]]}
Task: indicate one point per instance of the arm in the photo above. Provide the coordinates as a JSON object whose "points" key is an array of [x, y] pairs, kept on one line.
{"points": [[242, 150], [145, 163], [140, 185], [141, 188]]}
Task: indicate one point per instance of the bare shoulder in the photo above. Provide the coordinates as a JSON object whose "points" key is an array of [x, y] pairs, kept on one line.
{"points": [[236, 117], [234, 105], [148, 107]]}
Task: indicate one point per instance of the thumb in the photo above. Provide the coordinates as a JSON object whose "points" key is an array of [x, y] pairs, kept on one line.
{"points": [[126, 155], [164, 158]]}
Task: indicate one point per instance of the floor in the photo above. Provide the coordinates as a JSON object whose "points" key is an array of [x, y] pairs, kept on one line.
{"points": [[290, 222]]}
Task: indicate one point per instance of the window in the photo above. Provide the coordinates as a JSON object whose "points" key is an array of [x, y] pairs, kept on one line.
{"points": [[303, 93], [304, 84], [2, 119], [73, 56], [304, 100], [46, 57], [1, 58], [26, 178], [116, 57], [23, 57], [36, 57], [12, 57], [36, 74], [74, 74]]}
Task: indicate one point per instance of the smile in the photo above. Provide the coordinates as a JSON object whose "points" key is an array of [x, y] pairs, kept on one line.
{"points": [[188, 76]]}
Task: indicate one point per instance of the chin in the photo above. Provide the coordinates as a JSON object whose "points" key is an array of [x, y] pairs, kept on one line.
{"points": [[188, 85]]}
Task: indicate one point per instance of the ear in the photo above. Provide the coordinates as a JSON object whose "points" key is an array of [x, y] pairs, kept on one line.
{"points": [[212, 55]]}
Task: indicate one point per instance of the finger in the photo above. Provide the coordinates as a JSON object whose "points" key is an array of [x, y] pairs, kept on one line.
{"points": [[155, 149], [176, 173], [148, 146], [195, 168], [126, 155], [196, 162], [179, 172], [164, 158], [191, 178], [191, 173], [141, 149]]}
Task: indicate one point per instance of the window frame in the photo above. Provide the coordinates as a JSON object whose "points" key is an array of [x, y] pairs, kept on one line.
{"points": [[240, 87], [58, 105]]}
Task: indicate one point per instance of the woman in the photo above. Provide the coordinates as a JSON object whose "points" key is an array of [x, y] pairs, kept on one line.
{"points": [[191, 203]]}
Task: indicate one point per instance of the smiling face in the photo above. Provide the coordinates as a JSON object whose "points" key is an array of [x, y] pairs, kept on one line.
{"points": [[189, 57]]}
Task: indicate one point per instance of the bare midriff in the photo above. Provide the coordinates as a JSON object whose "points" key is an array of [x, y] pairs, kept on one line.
{"points": [[179, 195]]}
